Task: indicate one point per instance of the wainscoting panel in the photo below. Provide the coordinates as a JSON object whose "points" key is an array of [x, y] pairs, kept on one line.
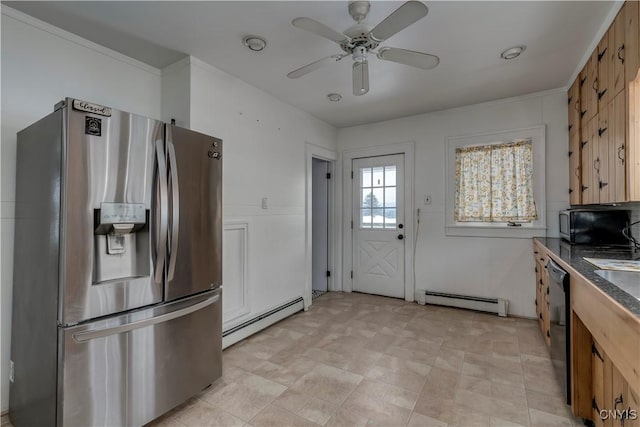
{"points": [[235, 263]]}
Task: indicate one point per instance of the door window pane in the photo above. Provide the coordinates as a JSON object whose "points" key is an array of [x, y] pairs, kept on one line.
{"points": [[390, 218], [389, 176], [367, 198], [365, 218], [390, 197], [365, 176], [378, 197], [378, 176]]}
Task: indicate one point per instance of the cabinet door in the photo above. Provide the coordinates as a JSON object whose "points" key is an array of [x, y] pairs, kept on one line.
{"points": [[618, 401], [603, 72], [588, 88], [597, 376], [573, 101], [574, 168], [632, 53], [585, 161], [602, 159], [617, 148], [590, 193], [633, 408], [616, 55]]}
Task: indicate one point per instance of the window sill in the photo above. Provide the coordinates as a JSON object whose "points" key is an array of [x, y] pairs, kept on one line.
{"points": [[501, 231]]}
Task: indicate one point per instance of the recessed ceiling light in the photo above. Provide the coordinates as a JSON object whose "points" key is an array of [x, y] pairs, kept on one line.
{"points": [[512, 52], [334, 97], [254, 43]]}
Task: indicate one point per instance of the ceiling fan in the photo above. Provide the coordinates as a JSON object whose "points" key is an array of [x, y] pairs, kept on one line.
{"points": [[359, 40]]}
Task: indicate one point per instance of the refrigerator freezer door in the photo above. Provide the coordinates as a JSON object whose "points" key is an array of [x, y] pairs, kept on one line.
{"points": [[112, 232], [130, 369], [195, 225]]}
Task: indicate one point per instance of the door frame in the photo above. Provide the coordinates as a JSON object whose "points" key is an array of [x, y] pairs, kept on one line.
{"points": [[333, 283], [406, 148]]}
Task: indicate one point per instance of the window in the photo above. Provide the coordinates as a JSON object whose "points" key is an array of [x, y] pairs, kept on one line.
{"points": [[496, 184], [378, 197]]}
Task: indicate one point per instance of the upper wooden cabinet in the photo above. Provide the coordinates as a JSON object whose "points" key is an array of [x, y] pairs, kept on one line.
{"points": [[631, 40], [575, 192], [603, 72], [573, 100], [589, 89], [617, 52], [604, 117]]}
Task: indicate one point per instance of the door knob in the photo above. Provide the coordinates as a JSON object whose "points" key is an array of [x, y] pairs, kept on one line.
{"points": [[400, 236], [400, 226]]}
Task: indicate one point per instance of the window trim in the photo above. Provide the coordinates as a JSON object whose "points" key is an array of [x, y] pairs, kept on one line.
{"points": [[487, 229]]}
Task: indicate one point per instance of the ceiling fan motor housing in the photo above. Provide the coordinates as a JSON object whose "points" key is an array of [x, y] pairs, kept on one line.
{"points": [[359, 35]]}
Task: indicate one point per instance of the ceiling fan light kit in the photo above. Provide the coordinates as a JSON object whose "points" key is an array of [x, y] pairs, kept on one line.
{"points": [[358, 41]]}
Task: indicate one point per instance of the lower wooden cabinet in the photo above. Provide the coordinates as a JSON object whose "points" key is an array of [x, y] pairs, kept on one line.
{"points": [[614, 402], [542, 292]]}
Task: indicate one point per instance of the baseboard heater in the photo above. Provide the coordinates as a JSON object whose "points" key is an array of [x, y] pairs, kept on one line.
{"points": [[260, 322], [491, 305]]}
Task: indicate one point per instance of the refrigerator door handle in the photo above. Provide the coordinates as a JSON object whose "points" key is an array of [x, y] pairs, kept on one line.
{"points": [[175, 210], [161, 245], [105, 332]]}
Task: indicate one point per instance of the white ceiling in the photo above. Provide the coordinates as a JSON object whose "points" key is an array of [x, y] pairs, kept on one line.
{"points": [[467, 36]]}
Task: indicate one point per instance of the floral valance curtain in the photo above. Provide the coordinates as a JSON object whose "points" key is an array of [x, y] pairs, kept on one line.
{"points": [[494, 183]]}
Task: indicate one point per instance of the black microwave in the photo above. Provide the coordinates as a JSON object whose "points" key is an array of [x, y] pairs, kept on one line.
{"points": [[594, 227]]}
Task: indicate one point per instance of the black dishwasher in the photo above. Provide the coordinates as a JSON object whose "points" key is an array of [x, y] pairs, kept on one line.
{"points": [[560, 318]]}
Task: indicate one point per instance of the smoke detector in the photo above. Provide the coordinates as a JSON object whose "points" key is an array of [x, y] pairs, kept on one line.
{"points": [[254, 43]]}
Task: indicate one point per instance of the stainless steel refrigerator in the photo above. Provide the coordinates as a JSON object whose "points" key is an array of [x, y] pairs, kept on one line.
{"points": [[118, 268]]}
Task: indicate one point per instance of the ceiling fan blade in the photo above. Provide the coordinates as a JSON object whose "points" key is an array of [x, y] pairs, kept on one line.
{"points": [[409, 57], [320, 29], [400, 19], [314, 66], [360, 78]]}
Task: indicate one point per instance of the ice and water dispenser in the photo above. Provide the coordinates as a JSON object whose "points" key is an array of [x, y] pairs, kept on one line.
{"points": [[121, 241]]}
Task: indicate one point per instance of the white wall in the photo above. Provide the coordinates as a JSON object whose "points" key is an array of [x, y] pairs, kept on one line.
{"points": [[264, 156], [491, 267], [41, 65]]}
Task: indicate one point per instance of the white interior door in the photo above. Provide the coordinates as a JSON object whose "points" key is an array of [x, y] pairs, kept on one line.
{"points": [[378, 225], [320, 224]]}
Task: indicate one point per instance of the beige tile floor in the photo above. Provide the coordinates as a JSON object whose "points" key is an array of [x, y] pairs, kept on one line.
{"points": [[360, 360]]}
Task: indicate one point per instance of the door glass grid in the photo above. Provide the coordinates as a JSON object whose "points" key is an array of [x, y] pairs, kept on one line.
{"points": [[378, 197]]}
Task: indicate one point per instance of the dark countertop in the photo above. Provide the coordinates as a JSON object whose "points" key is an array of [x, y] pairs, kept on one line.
{"points": [[573, 254]]}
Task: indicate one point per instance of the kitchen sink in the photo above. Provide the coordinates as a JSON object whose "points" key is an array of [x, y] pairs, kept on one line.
{"points": [[628, 281]]}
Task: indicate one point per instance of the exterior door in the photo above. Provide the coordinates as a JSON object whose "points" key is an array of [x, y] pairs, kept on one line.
{"points": [[378, 225]]}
